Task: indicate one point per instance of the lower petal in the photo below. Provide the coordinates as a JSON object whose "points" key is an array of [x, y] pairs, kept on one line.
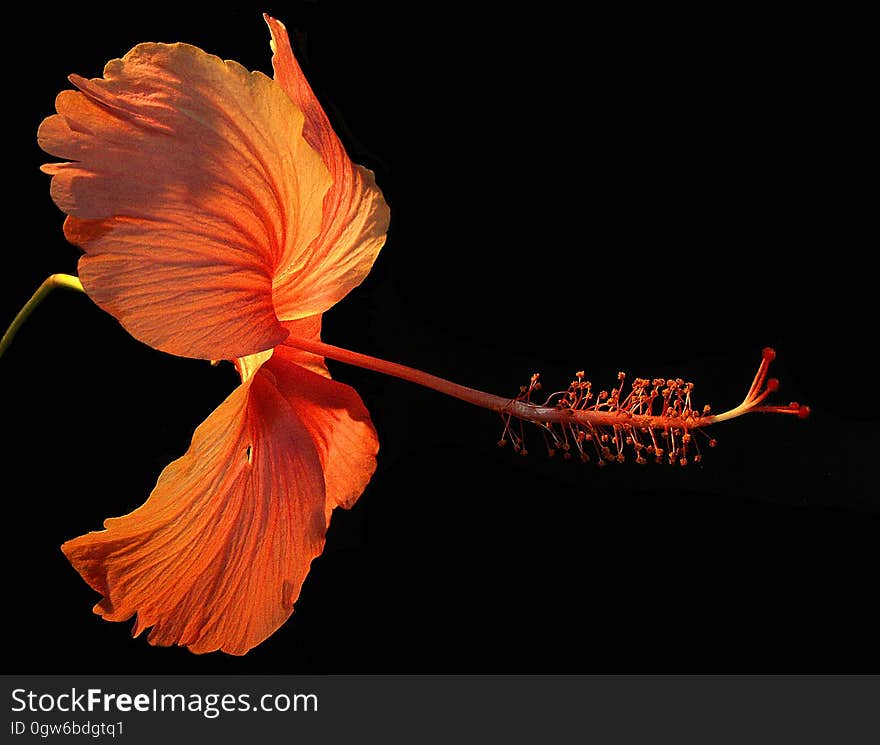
{"points": [[337, 420], [216, 557]]}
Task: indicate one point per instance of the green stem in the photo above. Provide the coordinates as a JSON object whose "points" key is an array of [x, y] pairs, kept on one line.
{"points": [[65, 281]]}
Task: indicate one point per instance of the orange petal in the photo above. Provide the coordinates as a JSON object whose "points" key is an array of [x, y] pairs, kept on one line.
{"points": [[216, 557], [191, 187], [338, 422], [310, 329], [355, 215]]}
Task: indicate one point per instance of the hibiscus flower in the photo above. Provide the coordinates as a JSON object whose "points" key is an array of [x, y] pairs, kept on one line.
{"points": [[219, 217], [219, 214]]}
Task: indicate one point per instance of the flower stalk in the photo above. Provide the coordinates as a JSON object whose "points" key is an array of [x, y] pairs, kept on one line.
{"points": [[64, 281]]}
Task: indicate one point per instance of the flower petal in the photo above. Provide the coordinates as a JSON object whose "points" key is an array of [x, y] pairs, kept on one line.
{"points": [[337, 421], [355, 215], [191, 186], [308, 328], [216, 557], [333, 412]]}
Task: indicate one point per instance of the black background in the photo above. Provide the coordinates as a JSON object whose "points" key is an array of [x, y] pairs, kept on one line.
{"points": [[657, 193]]}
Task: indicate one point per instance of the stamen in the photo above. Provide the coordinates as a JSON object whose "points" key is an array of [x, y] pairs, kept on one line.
{"points": [[616, 422], [600, 420]]}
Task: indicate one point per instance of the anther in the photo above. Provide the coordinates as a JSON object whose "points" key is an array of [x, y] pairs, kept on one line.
{"points": [[653, 409]]}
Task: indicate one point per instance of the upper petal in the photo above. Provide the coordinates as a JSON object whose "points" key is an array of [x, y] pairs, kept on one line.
{"points": [[190, 186], [216, 556], [355, 215]]}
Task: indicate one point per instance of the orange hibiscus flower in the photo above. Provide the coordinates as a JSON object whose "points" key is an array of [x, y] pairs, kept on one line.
{"points": [[219, 213], [219, 217]]}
